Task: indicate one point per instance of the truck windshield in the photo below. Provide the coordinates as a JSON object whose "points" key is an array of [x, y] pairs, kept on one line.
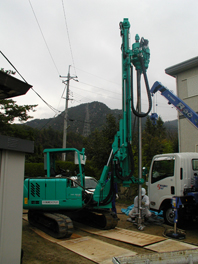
{"points": [[162, 169], [195, 164]]}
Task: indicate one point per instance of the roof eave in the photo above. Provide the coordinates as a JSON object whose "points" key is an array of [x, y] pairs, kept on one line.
{"points": [[181, 67]]}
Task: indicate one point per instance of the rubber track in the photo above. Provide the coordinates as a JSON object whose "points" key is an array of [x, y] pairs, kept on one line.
{"points": [[100, 219], [54, 224]]}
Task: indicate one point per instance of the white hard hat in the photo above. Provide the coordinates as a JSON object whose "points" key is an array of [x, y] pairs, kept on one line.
{"points": [[143, 191]]}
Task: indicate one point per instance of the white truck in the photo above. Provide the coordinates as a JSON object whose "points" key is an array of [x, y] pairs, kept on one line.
{"points": [[170, 175]]}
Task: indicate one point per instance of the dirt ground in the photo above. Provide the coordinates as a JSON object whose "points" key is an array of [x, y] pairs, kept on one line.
{"points": [[38, 250]]}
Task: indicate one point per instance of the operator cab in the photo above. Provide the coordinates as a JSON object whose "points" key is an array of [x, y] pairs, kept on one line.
{"points": [[90, 183]]}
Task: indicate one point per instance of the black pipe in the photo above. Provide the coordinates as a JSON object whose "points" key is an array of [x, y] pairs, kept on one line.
{"points": [[118, 169], [147, 89]]}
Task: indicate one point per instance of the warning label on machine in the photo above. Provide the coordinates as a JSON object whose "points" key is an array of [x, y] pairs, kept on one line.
{"points": [[50, 202]]}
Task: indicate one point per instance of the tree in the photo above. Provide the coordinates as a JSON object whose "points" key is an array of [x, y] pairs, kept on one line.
{"points": [[154, 141], [9, 111], [99, 144]]}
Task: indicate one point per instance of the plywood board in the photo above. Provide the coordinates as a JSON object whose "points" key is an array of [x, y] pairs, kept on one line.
{"points": [[90, 248], [127, 236], [95, 250], [170, 245], [48, 237], [52, 239], [25, 217]]}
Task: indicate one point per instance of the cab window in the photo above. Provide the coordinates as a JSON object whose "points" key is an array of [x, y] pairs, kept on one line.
{"points": [[195, 164], [162, 169]]}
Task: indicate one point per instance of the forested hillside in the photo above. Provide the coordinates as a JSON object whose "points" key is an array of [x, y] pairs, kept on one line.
{"points": [[103, 125], [91, 115]]}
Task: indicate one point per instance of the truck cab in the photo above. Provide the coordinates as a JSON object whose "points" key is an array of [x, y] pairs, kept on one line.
{"points": [[171, 175]]}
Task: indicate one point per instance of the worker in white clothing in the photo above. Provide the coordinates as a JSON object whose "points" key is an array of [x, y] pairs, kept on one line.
{"points": [[145, 206]]}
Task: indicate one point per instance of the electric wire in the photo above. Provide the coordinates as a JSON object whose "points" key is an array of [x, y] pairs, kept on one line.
{"points": [[62, 116], [44, 38], [51, 107], [82, 98], [95, 93], [13, 66], [101, 88], [48, 121], [97, 76], [93, 86], [47, 44], [68, 36], [162, 104]]}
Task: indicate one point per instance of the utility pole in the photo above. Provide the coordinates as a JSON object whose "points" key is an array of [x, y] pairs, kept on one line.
{"points": [[66, 82]]}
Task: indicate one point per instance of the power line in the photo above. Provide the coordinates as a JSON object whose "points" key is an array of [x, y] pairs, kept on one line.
{"points": [[95, 93], [68, 36], [98, 76], [82, 98], [44, 38], [51, 107], [48, 121], [13, 66], [101, 88]]}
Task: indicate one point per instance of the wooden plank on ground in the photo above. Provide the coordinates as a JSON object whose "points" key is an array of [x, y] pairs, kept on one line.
{"points": [[90, 248], [52, 239], [95, 250], [25, 217], [46, 236], [124, 235], [170, 245]]}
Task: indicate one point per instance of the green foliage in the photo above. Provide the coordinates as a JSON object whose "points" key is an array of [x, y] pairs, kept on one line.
{"points": [[37, 169], [90, 170], [76, 118], [50, 138], [172, 136], [34, 170], [10, 111], [68, 166], [154, 141], [98, 145]]}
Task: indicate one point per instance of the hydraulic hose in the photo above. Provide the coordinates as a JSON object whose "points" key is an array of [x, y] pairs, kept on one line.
{"points": [[118, 172], [109, 197], [118, 169], [147, 89]]}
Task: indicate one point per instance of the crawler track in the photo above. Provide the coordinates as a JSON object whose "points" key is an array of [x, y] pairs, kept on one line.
{"points": [[102, 219], [59, 225], [54, 224]]}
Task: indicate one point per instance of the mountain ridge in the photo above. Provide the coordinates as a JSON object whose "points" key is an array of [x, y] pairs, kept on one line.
{"points": [[85, 118]]}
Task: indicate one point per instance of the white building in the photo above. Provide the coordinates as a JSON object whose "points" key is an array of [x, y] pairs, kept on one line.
{"points": [[186, 74]]}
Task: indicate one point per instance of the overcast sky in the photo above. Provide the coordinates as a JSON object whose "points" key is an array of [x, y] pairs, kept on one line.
{"points": [[42, 38]]}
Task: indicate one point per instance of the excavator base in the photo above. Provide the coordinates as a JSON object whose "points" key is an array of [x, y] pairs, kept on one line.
{"points": [[54, 224], [59, 225]]}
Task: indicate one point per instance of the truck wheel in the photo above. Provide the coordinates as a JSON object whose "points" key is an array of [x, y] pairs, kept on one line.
{"points": [[169, 215]]}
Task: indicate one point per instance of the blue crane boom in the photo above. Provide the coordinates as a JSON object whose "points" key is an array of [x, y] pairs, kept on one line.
{"points": [[182, 107]]}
